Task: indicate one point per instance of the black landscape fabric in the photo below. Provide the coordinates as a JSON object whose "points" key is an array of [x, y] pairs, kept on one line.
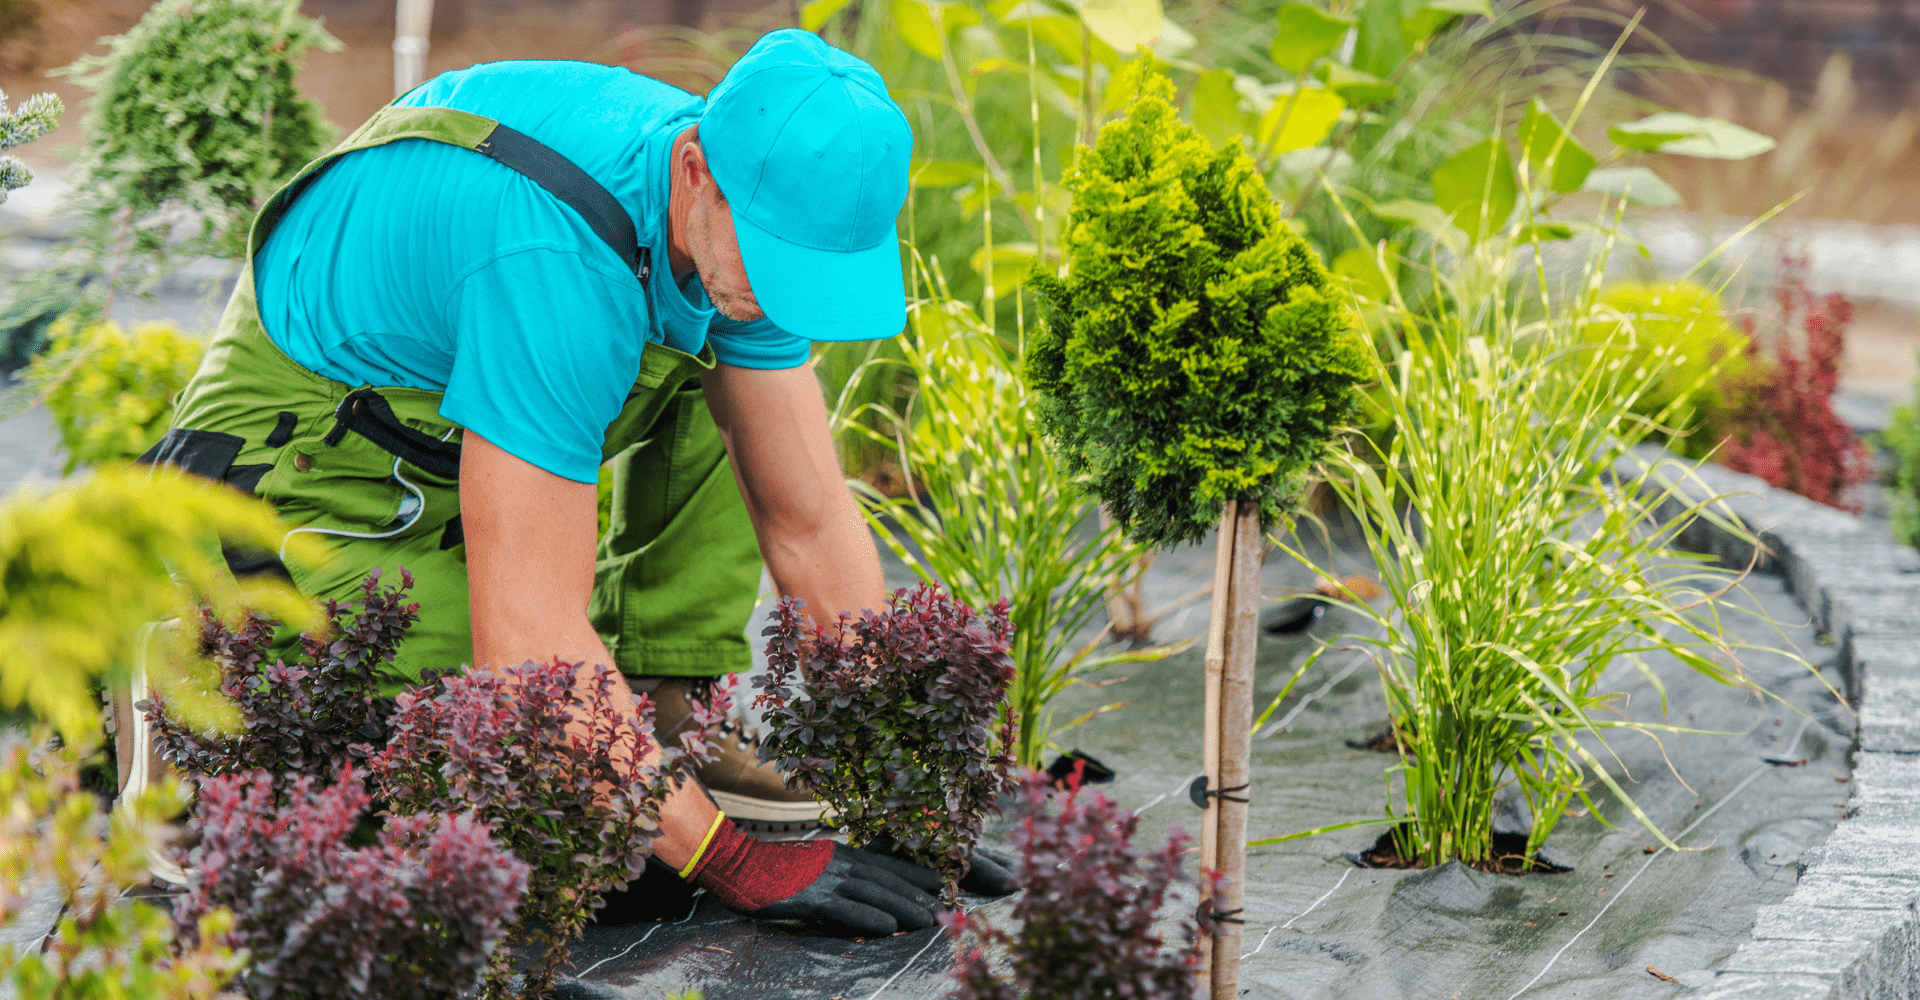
{"points": [[1319, 926]]}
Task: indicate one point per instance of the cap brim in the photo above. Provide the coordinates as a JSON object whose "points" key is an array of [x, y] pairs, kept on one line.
{"points": [[825, 294]]}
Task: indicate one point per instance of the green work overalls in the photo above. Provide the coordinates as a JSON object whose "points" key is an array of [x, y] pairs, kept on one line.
{"points": [[677, 570]]}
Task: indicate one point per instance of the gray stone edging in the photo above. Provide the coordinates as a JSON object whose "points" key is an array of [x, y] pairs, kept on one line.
{"points": [[1850, 930]]}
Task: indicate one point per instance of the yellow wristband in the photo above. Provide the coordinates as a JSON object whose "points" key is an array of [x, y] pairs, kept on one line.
{"points": [[705, 843]]}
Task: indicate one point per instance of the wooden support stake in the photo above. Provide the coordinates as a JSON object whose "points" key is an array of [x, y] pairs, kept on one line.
{"points": [[1210, 727], [1241, 612], [411, 20]]}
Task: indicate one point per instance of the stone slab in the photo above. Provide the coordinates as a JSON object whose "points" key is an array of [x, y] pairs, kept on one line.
{"points": [[1765, 987], [1890, 714], [1797, 921], [1840, 890], [1885, 777]]}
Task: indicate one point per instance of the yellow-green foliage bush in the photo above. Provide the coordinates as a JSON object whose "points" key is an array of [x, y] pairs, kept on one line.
{"points": [[1691, 400], [103, 947], [111, 392], [84, 566]]}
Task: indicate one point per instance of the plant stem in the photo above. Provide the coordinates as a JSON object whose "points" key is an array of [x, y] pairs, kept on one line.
{"points": [[963, 102]]}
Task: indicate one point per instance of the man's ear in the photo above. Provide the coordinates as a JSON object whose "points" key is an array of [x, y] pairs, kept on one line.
{"points": [[690, 162]]}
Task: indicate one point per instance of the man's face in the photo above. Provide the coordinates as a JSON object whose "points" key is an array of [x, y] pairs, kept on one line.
{"points": [[716, 256]]}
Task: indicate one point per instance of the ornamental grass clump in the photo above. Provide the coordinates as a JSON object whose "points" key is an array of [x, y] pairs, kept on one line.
{"points": [[302, 719], [580, 807], [991, 512], [1521, 561], [1196, 352], [418, 914], [895, 718], [1086, 919]]}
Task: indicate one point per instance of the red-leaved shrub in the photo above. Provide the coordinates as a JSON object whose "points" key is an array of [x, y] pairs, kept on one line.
{"points": [[310, 717], [896, 719], [1086, 918], [1781, 426], [581, 808], [418, 914]]}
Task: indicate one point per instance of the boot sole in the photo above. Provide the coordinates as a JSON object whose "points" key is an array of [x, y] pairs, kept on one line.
{"points": [[141, 771], [771, 817]]}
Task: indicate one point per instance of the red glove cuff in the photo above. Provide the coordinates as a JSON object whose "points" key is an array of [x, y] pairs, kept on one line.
{"points": [[745, 874]]}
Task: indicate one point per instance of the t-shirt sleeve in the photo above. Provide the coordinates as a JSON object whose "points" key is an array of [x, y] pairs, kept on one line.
{"points": [[546, 348], [758, 344]]}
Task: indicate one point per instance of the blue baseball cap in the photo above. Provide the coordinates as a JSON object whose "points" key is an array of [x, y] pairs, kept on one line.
{"points": [[812, 157]]}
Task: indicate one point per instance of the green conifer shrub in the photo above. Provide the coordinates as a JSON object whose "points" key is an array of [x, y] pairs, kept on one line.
{"points": [[195, 119], [1197, 350]]}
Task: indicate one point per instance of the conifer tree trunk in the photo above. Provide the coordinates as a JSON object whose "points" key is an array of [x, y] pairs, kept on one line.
{"points": [[1232, 635]]}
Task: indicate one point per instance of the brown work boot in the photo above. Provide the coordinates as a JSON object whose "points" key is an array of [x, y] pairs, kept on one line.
{"points": [[746, 788]]}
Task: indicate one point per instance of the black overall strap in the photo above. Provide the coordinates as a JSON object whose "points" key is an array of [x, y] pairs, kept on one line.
{"points": [[367, 414], [567, 182]]}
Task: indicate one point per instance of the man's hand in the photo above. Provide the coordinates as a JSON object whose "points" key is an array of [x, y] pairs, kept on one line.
{"points": [[833, 887], [815, 543]]}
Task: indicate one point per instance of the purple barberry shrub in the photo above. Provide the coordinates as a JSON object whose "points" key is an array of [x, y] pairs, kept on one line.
{"points": [[896, 719], [420, 913], [310, 717], [1086, 920], [581, 808]]}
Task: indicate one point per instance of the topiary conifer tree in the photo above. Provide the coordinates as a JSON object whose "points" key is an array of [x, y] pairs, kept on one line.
{"points": [[1196, 350], [1193, 363]]}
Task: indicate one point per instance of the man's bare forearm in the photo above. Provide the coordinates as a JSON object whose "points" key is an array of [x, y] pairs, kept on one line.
{"points": [[812, 537], [530, 542]]}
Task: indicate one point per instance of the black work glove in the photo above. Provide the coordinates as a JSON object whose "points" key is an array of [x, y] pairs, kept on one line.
{"points": [[989, 873], [864, 895]]}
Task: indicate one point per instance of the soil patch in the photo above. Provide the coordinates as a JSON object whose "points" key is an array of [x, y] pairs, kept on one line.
{"points": [[1384, 741], [1509, 857]]}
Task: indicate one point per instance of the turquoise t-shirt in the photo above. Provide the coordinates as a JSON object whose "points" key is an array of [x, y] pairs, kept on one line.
{"points": [[425, 265]]}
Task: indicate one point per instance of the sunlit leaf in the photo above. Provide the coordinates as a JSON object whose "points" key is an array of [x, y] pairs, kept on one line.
{"points": [[994, 64], [816, 13], [1476, 187], [1425, 217], [1540, 135], [1691, 135], [1123, 24], [1306, 33], [1062, 34], [944, 173], [914, 23], [1379, 46], [1300, 119], [1362, 270], [1546, 232], [1356, 88], [1636, 184], [1432, 17], [1174, 40], [1216, 108], [1012, 262]]}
